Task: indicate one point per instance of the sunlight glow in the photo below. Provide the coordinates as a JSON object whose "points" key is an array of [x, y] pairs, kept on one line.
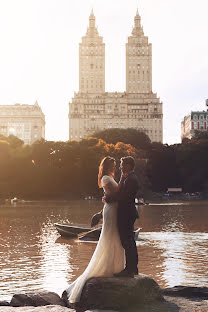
{"points": [[39, 54]]}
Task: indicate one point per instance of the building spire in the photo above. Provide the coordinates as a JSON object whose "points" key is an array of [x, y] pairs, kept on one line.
{"points": [[92, 13], [137, 29], [137, 19], [92, 19]]}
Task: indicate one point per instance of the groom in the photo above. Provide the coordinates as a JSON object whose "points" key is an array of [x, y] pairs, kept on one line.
{"points": [[127, 214]]}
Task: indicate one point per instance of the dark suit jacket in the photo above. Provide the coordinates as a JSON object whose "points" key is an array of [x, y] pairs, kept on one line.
{"points": [[126, 197]]}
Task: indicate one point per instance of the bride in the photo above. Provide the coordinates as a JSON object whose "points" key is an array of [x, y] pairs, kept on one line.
{"points": [[108, 257]]}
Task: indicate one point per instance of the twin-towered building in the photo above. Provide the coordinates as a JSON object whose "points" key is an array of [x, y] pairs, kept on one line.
{"points": [[93, 109]]}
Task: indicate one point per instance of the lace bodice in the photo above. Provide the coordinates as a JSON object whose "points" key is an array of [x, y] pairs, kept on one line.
{"points": [[109, 184]]}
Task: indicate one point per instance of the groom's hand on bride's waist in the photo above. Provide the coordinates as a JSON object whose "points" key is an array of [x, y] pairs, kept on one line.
{"points": [[105, 199], [109, 198]]}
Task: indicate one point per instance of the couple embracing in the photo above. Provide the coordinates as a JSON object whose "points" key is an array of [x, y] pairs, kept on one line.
{"points": [[116, 252]]}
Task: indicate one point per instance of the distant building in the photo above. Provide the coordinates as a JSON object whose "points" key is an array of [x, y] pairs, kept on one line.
{"points": [[27, 122], [92, 109], [196, 120], [174, 189]]}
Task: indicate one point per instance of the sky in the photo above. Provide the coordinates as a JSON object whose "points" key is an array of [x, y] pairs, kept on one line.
{"points": [[39, 56]]}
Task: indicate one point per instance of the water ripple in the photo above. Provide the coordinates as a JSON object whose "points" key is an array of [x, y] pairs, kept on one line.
{"points": [[172, 248]]}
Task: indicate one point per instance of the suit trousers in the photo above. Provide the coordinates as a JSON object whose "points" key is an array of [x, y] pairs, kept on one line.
{"points": [[126, 232]]}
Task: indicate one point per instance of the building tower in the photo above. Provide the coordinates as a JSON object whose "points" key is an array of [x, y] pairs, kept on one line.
{"points": [[93, 109], [138, 60], [92, 60]]}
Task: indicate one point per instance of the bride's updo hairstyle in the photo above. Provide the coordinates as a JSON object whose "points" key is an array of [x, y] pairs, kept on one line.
{"points": [[105, 168]]}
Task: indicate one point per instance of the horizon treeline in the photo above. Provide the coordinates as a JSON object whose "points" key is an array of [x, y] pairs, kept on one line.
{"points": [[68, 170]]}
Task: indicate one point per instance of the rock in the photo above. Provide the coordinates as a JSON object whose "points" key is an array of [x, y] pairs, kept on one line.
{"points": [[4, 303], [195, 300], [48, 308], [186, 291], [36, 299], [116, 293]]}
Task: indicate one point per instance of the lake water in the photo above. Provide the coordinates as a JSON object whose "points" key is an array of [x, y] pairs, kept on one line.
{"points": [[173, 245]]}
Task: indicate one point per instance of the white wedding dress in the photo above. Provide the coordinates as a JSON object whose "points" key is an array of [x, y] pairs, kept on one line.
{"points": [[108, 257]]}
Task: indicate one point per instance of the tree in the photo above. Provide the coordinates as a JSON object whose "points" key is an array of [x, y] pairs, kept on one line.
{"points": [[162, 168], [4, 166], [135, 137], [15, 141], [192, 164], [200, 134]]}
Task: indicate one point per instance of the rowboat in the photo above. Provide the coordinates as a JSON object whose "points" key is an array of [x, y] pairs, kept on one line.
{"points": [[70, 230], [83, 233], [93, 234]]}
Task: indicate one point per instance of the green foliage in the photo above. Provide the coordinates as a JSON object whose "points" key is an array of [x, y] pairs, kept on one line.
{"points": [[69, 169], [192, 164], [200, 134], [49, 169], [162, 169], [180, 165], [12, 140], [135, 137]]}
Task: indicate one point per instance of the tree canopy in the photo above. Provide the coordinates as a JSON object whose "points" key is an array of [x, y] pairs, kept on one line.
{"points": [[135, 137], [48, 169]]}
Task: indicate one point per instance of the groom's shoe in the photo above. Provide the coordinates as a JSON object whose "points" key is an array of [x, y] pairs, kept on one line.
{"points": [[136, 272], [125, 273]]}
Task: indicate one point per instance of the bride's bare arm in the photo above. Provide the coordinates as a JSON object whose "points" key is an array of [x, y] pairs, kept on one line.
{"points": [[114, 195], [122, 178], [111, 190]]}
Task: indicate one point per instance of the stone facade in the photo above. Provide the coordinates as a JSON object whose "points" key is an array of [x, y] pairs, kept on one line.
{"points": [[196, 120], [92, 109], [27, 122]]}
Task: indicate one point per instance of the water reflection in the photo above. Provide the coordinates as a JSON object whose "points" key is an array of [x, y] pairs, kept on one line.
{"points": [[173, 220], [172, 248], [54, 264], [179, 257]]}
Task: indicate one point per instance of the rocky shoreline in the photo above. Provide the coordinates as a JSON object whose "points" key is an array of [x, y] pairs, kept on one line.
{"points": [[141, 294]]}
